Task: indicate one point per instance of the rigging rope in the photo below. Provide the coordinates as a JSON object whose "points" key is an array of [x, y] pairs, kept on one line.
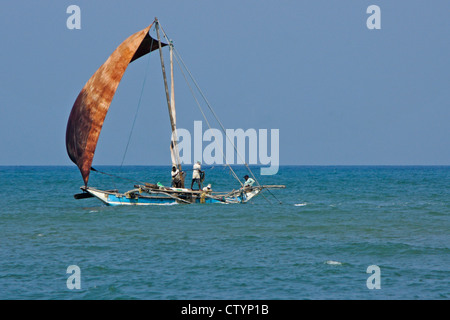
{"points": [[215, 116], [220, 123], [131, 131], [177, 55], [138, 106], [223, 129], [116, 176], [207, 122]]}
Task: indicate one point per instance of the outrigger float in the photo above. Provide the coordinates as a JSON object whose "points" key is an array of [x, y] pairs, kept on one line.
{"points": [[89, 112]]}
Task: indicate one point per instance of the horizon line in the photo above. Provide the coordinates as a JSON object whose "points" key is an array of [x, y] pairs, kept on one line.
{"points": [[237, 165]]}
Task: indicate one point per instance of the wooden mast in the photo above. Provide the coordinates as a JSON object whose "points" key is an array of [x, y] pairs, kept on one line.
{"points": [[172, 114], [170, 101]]}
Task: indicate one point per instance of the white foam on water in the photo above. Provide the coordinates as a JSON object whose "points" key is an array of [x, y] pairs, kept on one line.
{"points": [[300, 204]]}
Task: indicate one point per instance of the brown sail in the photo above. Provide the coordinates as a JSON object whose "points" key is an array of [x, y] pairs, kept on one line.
{"points": [[90, 108]]}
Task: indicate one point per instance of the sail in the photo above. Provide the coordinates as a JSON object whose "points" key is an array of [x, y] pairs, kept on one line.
{"points": [[90, 108]]}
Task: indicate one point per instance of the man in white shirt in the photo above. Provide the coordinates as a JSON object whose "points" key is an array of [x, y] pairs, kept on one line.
{"points": [[196, 175], [248, 181]]}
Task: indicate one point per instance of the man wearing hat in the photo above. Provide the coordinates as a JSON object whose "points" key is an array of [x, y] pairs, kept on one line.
{"points": [[196, 175]]}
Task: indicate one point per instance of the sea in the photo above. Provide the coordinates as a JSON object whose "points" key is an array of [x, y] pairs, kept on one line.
{"points": [[333, 233]]}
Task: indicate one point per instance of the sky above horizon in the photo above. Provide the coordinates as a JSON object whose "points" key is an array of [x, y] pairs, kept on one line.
{"points": [[339, 93]]}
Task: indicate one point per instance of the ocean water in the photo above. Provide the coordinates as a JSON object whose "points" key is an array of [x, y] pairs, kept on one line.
{"points": [[332, 224]]}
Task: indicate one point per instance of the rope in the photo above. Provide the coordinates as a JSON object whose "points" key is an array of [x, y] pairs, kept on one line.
{"points": [[207, 122], [220, 123], [279, 202], [217, 119], [214, 114], [116, 176], [138, 107], [131, 132], [177, 55]]}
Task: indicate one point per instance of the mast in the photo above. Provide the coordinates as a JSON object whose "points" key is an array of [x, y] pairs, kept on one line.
{"points": [[172, 113], [164, 74], [170, 103]]}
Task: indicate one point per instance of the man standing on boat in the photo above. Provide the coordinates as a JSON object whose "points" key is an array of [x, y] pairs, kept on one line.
{"points": [[196, 175]]}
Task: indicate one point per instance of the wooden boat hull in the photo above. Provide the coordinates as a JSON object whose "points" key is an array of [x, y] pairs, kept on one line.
{"points": [[143, 197], [118, 199]]}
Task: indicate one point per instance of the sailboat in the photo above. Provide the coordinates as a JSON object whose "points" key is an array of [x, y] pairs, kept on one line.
{"points": [[88, 114]]}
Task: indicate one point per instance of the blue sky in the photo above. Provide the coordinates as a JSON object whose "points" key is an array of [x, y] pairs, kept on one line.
{"points": [[339, 93]]}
